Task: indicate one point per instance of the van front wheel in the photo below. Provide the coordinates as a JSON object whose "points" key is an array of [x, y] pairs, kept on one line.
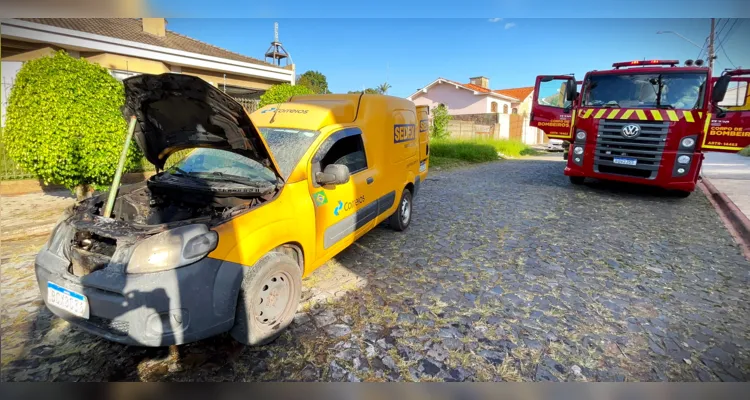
{"points": [[268, 300], [401, 219]]}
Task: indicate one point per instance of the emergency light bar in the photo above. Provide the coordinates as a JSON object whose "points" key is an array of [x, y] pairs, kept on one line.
{"points": [[645, 63]]}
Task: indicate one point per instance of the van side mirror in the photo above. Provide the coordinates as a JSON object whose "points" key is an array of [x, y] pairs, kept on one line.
{"points": [[334, 174], [720, 89]]}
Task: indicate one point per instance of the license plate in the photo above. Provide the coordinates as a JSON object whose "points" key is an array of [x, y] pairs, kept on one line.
{"points": [[423, 166], [68, 300], [625, 161]]}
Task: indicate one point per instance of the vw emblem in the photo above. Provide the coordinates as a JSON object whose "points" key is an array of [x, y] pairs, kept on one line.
{"points": [[631, 131]]}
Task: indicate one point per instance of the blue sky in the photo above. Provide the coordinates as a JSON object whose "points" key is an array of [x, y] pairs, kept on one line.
{"points": [[411, 52]]}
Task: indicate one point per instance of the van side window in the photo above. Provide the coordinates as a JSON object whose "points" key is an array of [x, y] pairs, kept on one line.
{"points": [[349, 151]]}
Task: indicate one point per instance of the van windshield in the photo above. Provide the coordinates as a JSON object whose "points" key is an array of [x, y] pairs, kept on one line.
{"points": [[671, 90], [288, 146]]}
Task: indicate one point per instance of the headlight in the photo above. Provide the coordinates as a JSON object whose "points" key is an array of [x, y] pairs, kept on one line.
{"points": [[687, 142], [683, 159], [578, 150], [172, 249], [581, 135]]}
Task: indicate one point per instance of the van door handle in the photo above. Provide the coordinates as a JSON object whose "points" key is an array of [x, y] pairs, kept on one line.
{"points": [[370, 180]]}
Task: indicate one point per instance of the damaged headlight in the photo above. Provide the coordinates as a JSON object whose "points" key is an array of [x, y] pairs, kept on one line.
{"points": [[172, 249]]}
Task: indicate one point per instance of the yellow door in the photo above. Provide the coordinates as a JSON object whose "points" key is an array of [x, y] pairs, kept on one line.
{"points": [[343, 212]]}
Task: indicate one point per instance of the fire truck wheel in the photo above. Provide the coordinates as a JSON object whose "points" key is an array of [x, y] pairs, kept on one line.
{"points": [[682, 194], [577, 180]]}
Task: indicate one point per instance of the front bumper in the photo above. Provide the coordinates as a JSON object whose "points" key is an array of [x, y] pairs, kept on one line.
{"points": [[664, 177], [157, 309]]}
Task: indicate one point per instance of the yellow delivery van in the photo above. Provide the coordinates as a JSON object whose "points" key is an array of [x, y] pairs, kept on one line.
{"points": [[221, 240]]}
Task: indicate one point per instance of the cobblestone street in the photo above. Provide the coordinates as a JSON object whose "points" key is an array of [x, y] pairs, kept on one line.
{"points": [[507, 273]]}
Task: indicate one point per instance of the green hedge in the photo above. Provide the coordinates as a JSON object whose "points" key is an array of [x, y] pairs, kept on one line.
{"points": [[469, 151], [64, 124], [745, 152]]}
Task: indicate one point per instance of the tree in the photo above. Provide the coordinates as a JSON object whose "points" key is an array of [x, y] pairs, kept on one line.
{"points": [[367, 91], [64, 123], [314, 81], [383, 88], [281, 93], [440, 119]]}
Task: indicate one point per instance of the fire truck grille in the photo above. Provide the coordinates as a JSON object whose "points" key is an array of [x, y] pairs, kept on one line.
{"points": [[646, 149]]}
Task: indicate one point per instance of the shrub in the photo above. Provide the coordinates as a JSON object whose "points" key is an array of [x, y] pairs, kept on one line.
{"points": [[64, 123], [745, 152], [440, 119], [281, 93]]}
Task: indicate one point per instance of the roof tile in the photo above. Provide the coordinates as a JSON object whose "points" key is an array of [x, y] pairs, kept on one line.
{"points": [[517, 93], [131, 29]]}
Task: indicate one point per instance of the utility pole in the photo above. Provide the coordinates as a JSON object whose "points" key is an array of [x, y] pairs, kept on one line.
{"points": [[711, 49]]}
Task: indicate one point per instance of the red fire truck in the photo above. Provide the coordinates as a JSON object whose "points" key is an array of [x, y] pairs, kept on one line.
{"points": [[643, 122]]}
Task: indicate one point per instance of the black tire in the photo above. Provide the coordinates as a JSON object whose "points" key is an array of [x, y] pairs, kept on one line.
{"points": [[276, 276], [401, 219], [682, 194], [577, 180]]}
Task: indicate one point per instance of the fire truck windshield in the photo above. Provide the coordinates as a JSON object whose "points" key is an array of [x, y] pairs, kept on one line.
{"points": [[672, 90]]}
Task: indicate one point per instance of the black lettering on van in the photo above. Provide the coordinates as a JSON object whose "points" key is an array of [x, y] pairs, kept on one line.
{"points": [[404, 133]]}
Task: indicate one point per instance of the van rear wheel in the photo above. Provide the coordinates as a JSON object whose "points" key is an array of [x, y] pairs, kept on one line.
{"points": [[268, 300], [401, 219]]}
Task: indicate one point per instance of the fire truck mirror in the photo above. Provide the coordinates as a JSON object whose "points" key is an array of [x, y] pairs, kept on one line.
{"points": [[570, 90], [720, 89]]}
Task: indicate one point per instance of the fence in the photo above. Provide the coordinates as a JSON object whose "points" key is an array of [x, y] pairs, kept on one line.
{"points": [[469, 130]]}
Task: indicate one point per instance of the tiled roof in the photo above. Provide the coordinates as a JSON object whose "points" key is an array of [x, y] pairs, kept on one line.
{"points": [[476, 87], [517, 93], [132, 30]]}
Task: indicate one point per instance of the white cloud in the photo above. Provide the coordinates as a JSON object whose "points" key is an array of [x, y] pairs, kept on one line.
{"points": [[510, 25], [495, 19]]}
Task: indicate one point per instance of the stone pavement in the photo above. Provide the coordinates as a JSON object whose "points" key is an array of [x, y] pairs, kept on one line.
{"points": [[31, 214], [508, 272], [730, 174]]}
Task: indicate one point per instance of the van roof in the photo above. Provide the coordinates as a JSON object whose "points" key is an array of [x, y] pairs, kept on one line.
{"points": [[317, 111], [309, 112]]}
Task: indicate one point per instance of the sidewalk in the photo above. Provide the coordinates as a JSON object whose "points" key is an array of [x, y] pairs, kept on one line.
{"points": [[727, 185], [730, 174]]}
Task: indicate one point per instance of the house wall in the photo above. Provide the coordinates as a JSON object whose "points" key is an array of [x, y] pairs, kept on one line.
{"points": [[125, 63], [524, 108], [500, 104], [458, 101], [217, 78]]}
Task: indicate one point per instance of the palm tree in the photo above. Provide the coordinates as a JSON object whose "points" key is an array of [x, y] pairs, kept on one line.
{"points": [[383, 88]]}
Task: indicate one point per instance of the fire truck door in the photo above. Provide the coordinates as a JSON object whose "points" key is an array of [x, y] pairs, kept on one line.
{"points": [[551, 109], [730, 133]]}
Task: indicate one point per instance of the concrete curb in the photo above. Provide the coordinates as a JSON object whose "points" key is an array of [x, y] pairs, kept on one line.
{"points": [[735, 220]]}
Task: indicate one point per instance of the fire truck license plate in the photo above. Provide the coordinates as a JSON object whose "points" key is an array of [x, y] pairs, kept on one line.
{"points": [[625, 161]]}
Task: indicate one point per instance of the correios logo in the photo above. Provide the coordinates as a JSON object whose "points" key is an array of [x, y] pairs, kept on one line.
{"points": [[285, 110], [346, 206]]}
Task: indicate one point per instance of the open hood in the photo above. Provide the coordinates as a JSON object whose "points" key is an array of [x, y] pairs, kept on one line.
{"points": [[177, 112]]}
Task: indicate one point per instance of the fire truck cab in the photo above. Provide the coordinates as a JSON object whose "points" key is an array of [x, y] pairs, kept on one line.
{"points": [[640, 122]]}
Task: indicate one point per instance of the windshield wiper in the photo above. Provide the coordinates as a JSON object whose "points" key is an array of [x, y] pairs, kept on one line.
{"points": [[665, 106], [611, 104], [216, 175]]}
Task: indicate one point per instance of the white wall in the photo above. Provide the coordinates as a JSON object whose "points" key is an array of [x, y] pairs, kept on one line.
{"points": [[9, 71]]}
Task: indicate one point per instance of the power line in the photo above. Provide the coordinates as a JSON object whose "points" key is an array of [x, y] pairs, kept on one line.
{"points": [[726, 36]]}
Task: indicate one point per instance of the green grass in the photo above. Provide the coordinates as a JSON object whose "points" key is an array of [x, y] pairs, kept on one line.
{"points": [[464, 150], [446, 153], [745, 152]]}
